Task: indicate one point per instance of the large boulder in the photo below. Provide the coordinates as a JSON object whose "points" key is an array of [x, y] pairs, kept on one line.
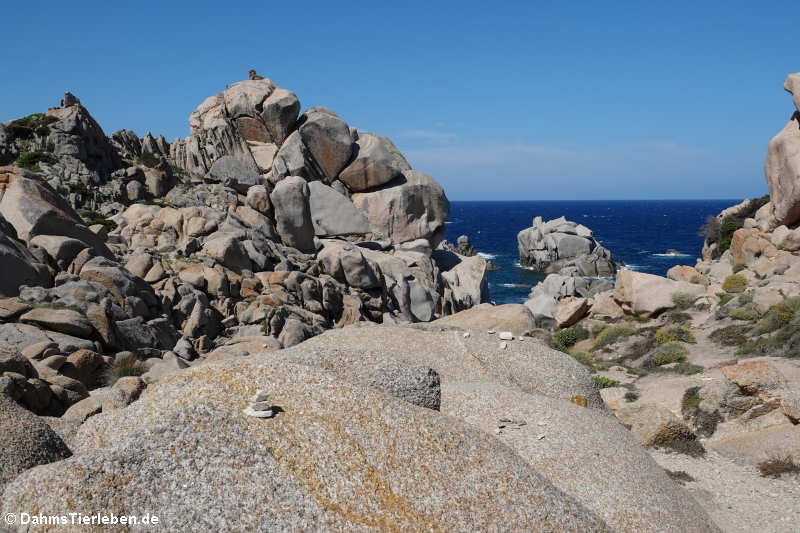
{"points": [[559, 245], [26, 441], [411, 207], [792, 85], [515, 318], [31, 205], [464, 280], [782, 165], [334, 457], [328, 139], [647, 294], [292, 213], [377, 162], [525, 365], [234, 172], [332, 213], [16, 263]]}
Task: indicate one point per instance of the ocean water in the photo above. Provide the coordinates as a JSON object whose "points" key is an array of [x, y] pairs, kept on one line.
{"points": [[637, 232]]}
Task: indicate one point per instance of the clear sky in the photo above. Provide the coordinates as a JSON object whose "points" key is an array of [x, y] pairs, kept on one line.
{"points": [[497, 100]]}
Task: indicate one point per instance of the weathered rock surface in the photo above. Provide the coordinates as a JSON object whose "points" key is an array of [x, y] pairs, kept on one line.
{"points": [[26, 441], [515, 318], [197, 419], [782, 166], [647, 294], [412, 207], [526, 365], [591, 458]]}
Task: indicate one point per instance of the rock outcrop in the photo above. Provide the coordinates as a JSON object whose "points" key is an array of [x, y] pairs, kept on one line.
{"points": [[564, 247], [782, 166]]}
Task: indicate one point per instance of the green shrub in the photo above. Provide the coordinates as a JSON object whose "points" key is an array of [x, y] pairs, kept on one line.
{"points": [[726, 231], [774, 467], [582, 357], [738, 267], [31, 160], [564, 339], [730, 336], [721, 232], [91, 218], [677, 317], [724, 298], [745, 312], [603, 382], [734, 283], [123, 366], [27, 127], [612, 334], [683, 300], [691, 399], [778, 316], [671, 352], [674, 333], [631, 396]]}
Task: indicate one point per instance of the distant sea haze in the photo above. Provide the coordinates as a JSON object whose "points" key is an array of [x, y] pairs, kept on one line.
{"points": [[638, 232]]}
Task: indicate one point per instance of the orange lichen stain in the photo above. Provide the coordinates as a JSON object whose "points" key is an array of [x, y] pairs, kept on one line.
{"points": [[579, 400]]}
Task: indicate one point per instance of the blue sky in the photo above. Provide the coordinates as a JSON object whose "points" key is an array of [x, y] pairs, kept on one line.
{"points": [[503, 101]]}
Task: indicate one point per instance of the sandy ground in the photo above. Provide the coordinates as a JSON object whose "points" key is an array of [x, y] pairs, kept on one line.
{"points": [[736, 496], [734, 493]]}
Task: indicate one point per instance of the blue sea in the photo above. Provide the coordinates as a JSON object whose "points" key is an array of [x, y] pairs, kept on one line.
{"points": [[637, 232]]}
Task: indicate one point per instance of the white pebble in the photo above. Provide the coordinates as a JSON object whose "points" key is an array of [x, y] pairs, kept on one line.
{"points": [[506, 335], [466, 335], [490, 332], [503, 345], [540, 437]]}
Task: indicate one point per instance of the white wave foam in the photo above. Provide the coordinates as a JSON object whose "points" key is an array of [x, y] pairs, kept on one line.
{"points": [[672, 255], [630, 267], [513, 285], [487, 256]]}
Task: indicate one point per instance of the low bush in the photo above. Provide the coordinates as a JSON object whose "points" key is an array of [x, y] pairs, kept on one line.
{"points": [[745, 312], [30, 126], [778, 316], [679, 475], [603, 382], [677, 317], [670, 352], [91, 217], [734, 283], [738, 267], [31, 160], [674, 333], [724, 298], [564, 339], [691, 399], [582, 357], [683, 300], [631, 396], [775, 467], [612, 334], [730, 336], [123, 366]]}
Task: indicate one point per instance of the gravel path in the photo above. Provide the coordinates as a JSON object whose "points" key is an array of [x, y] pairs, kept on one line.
{"points": [[737, 497]]}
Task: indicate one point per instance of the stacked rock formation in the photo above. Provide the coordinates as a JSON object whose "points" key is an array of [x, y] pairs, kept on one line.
{"points": [[563, 247], [568, 252], [261, 229]]}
